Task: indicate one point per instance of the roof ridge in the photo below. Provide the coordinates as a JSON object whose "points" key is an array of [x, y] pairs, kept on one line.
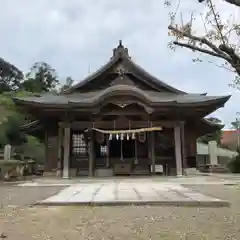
{"points": [[121, 53]]}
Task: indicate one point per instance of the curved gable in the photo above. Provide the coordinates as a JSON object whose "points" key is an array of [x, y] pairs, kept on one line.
{"points": [[119, 65]]}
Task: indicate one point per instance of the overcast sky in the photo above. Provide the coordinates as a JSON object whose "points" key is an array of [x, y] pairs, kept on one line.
{"points": [[72, 35]]}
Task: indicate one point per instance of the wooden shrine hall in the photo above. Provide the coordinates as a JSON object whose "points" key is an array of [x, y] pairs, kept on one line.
{"points": [[121, 120]]}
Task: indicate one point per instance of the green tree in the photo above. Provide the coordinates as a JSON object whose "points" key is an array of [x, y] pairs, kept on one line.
{"points": [[32, 148], [234, 164], [10, 76], [236, 124], [12, 85], [219, 38], [68, 84], [41, 78], [11, 119], [215, 136]]}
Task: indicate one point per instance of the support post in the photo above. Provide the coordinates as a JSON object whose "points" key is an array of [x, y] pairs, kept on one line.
{"points": [[90, 154], [60, 142], [108, 150], [153, 153], [136, 152], [66, 152], [178, 150], [149, 145], [183, 149]]}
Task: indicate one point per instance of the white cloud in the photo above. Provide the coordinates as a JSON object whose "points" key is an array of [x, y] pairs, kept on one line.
{"points": [[70, 35]]}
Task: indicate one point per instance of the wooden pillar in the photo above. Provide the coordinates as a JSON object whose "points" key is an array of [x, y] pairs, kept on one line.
{"points": [[149, 145], [121, 158], [178, 149], [46, 163], [66, 152], [136, 151], [108, 152], [91, 155], [60, 142], [153, 152], [184, 161]]}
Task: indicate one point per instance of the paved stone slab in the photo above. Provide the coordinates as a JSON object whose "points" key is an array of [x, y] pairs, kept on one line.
{"points": [[199, 180], [119, 193], [36, 184]]}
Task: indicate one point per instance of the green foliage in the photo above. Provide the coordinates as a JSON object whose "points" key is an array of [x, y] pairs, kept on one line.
{"points": [[236, 124], [214, 136], [11, 119], [68, 84], [41, 78], [234, 164], [10, 76], [32, 148], [12, 129]]}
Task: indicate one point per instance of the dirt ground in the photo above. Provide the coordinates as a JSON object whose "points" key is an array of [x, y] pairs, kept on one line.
{"points": [[22, 222]]}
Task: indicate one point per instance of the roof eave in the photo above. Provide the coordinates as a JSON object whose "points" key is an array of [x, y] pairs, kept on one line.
{"points": [[212, 124]]}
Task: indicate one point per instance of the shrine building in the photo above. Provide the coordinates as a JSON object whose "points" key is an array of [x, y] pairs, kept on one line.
{"points": [[121, 120]]}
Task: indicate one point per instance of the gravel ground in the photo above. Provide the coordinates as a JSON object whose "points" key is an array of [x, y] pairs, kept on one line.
{"points": [[132, 222], [19, 196]]}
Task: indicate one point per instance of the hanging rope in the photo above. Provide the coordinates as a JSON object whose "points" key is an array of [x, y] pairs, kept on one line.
{"points": [[151, 129]]}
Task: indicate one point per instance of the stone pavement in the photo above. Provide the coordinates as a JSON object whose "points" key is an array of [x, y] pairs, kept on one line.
{"points": [[196, 180], [131, 192]]}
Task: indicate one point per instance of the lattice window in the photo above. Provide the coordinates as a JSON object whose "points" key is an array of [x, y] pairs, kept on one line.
{"points": [[103, 150], [79, 145]]}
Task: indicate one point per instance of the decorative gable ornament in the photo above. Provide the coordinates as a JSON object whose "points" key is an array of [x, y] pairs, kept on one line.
{"points": [[121, 71], [122, 105]]}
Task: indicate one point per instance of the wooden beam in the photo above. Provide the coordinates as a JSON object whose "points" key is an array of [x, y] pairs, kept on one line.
{"points": [[110, 124], [123, 113]]}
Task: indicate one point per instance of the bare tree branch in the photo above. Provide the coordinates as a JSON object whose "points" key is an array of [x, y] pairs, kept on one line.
{"points": [[217, 20], [195, 48], [222, 66], [200, 40], [234, 2], [234, 56], [223, 51], [221, 40]]}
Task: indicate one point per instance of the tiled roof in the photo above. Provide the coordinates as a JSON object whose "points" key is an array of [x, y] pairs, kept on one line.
{"points": [[149, 96], [121, 54]]}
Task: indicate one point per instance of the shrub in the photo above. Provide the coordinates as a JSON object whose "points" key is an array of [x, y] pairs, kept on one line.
{"points": [[234, 164]]}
